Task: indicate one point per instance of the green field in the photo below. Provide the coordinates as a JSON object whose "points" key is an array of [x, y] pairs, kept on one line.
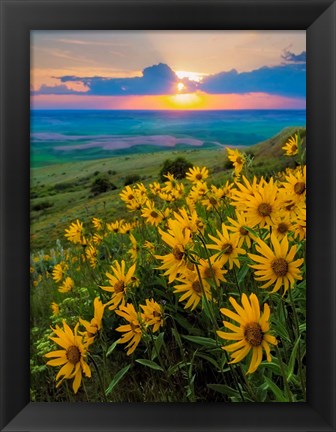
{"points": [[61, 193]]}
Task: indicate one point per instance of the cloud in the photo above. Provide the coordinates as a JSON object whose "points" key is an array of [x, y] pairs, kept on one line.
{"points": [[155, 80], [284, 80], [54, 90], [296, 58]]}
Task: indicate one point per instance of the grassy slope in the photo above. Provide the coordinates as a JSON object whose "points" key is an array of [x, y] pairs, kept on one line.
{"points": [[66, 187]]}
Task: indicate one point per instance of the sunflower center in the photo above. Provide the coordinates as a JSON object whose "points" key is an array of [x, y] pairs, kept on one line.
{"points": [[73, 354], [264, 209], [280, 267], [208, 272], [243, 231], [154, 214], [213, 201], [239, 160], [282, 228], [130, 197], [294, 147], [135, 327], [253, 334], [290, 206], [199, 176], [119, 287], [156, 314], [299, 188], [196, 286], [227, 248], [178, 254]]}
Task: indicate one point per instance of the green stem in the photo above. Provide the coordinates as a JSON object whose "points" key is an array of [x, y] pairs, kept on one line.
{"points": [[297, 328], [236, 278], [99, 377], [289, 394]]}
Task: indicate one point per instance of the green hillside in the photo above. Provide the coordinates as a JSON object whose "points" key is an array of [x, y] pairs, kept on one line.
{"points": [[61, 193]]}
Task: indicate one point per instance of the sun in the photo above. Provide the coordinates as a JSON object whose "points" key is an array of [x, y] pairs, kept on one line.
{"points": [[185, 101], [180, 86]]}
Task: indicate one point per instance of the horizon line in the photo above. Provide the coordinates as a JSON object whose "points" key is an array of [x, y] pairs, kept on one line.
{"points": [[169, 110]]}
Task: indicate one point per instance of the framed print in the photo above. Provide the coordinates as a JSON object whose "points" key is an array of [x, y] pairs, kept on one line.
{"points": [[155, 268]]}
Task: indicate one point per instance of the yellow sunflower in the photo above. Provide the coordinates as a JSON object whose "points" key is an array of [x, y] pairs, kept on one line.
{"points": [[71, 357], [239, 227], [115, 226], [128, 194], [59, 271], [67, 285], [134, 249], [119, 282], [291, 147], [227, 245], [191, 289], [237, 158], [152, 314], [282, 225], [152, 215], [97, 223], [252, 333], [276, 266], [178, 240], [213, 270], [299, 225], [294, 188], [95, 324], [75, 233], [198, 191], [155, 188], [126, 227], [133, 332], [190, 221], [55, 308], [91, 255], [214, 198], [196, 174], [262, 207]]}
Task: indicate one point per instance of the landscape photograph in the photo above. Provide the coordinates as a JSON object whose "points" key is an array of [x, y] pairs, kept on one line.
{"points": [[168, 216]]}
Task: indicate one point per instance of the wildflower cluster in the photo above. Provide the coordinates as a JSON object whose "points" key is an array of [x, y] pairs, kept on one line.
{"points": [[188, 255]]}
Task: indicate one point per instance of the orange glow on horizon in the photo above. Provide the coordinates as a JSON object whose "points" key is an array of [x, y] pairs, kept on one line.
{"points": [[185, 101], [182, 101]]}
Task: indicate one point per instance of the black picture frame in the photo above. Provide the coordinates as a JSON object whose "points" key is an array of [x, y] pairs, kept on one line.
{"points": [[18, 17]]}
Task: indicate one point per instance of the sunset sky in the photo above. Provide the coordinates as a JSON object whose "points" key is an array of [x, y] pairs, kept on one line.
{"points": [[168, 70]]}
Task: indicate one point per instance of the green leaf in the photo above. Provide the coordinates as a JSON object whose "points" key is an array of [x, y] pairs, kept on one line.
{"points": [[158, 343], [209, 359], [200, 340], [224, 389], [149, 363], [281, 330], [177, 337], [280, 397], [173, 369], [186, 325], [291, 363], [112, 347], [303, 327], [116, 379], [242, 273], [273, 366], [205, 308]]}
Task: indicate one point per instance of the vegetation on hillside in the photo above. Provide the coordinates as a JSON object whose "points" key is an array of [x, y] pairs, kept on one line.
{"points": [[181, 290]]}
